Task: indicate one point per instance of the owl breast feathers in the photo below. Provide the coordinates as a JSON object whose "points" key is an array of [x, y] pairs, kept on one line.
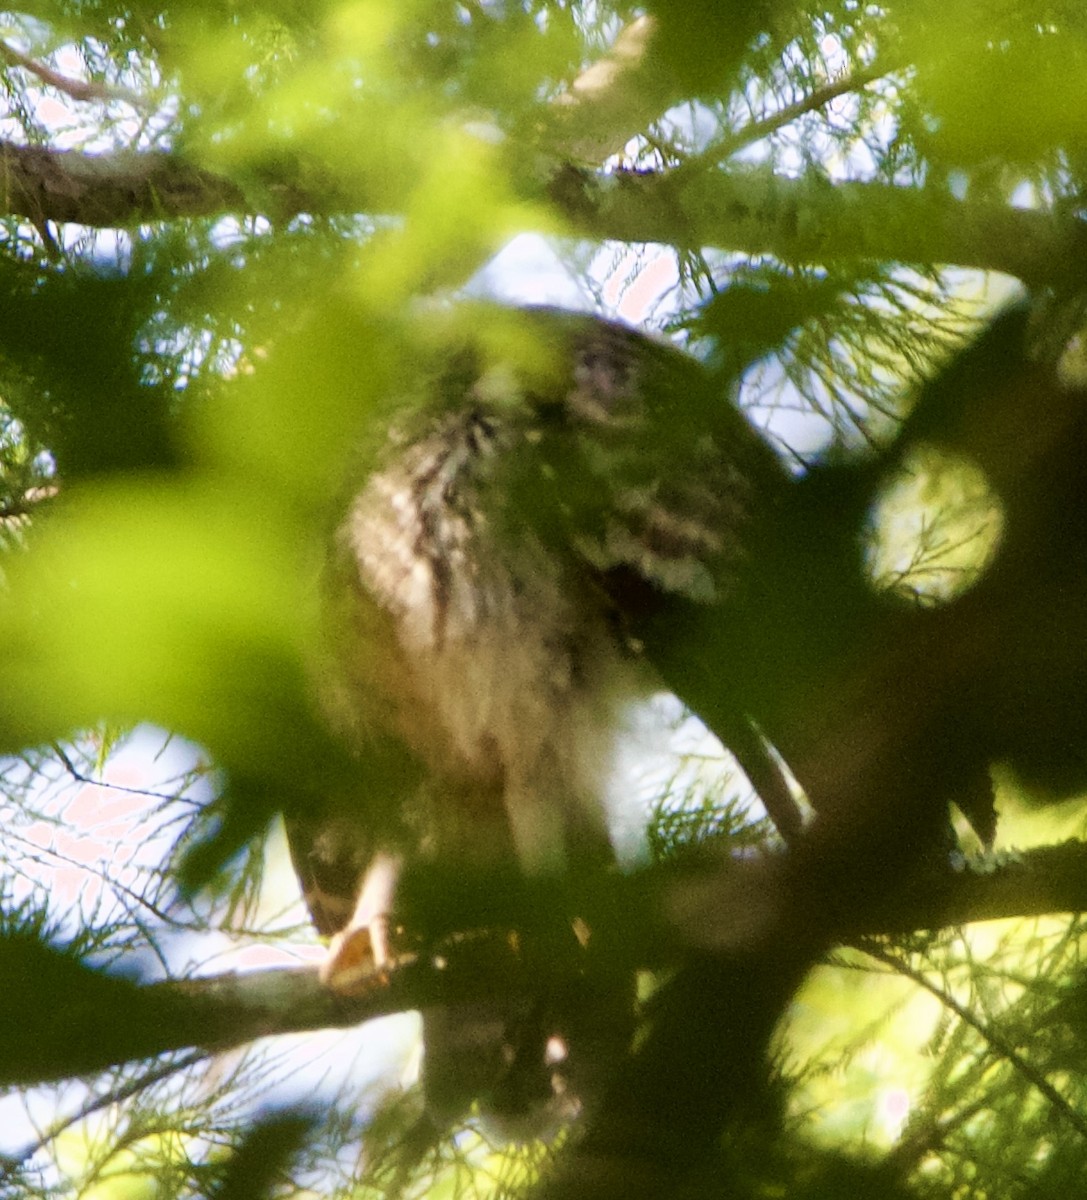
{"points": [[539, 491]]}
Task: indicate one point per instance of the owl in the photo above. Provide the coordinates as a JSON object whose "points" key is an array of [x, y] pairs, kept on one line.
{"points": [[543, 485]]}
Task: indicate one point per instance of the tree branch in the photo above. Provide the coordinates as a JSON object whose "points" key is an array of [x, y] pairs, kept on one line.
{"points": [[610, 102], [109, 190], [745, 210], [77, 89], [787, 114], [60, 1005], [1001, 1046], [810, 219]]}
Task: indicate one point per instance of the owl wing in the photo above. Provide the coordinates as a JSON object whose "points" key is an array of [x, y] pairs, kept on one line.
{"points": [[643, 467]]}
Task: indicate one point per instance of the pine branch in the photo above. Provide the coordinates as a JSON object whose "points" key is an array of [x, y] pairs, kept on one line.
{"points": [[108, 190], [810, 219], [743, 210], [77, 89], [999, 1045], [755, 131], [62, 1018]]}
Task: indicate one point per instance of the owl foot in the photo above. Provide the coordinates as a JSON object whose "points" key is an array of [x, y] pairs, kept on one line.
{"points": [[358, 956]]}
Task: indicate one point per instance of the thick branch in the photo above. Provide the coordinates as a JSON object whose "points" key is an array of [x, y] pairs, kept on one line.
{"points": [[746, 210], [64, 1019], [719, 911], [60, 1018], [810, 219], [108, 190]]}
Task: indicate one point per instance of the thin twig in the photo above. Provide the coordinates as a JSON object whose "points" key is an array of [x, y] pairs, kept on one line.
{"points": [[75, 89], [994, 1040], [10, 1163], [79, 777], [757, 130]]}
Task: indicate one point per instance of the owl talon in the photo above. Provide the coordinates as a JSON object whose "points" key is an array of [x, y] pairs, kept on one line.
{"points": [[357, 956]]}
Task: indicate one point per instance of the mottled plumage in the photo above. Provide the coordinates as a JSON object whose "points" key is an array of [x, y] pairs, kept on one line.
{"points": [[521, 513]]}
